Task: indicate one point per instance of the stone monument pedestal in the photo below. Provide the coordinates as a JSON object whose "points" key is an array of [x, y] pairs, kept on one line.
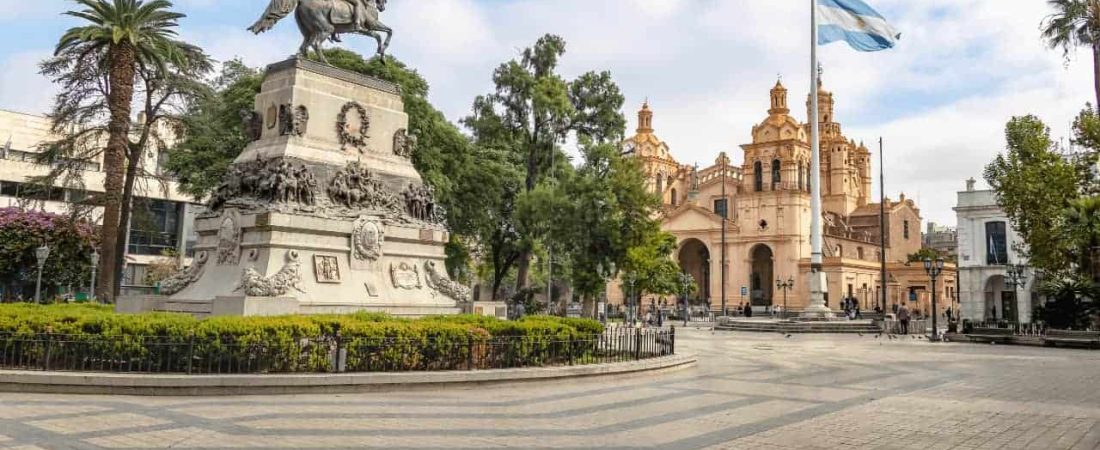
{"points": [[322, 213]]}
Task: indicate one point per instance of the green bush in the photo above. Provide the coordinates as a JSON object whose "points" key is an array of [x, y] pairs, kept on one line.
{"points": [[97, 336]]}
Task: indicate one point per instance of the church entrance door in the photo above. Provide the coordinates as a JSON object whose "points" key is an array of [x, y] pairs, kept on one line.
{"points": [[762, 279], [694, 259]]}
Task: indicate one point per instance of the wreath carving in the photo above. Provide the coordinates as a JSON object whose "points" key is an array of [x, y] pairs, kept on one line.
{"points": [[344, 129]]}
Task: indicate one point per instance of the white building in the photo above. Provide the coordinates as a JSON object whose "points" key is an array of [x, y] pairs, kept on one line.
{"points": [[163, 218], [986, 241]]}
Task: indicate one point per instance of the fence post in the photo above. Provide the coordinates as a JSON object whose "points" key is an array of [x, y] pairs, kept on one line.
{"points": [[190, 352], [672, 340], [637, 344], [469, 352], [49, 349]]}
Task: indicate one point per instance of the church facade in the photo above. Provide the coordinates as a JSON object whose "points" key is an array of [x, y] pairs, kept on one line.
{"points": [[758, 214]]}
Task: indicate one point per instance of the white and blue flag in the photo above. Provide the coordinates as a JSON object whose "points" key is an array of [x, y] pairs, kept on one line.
{"points": [[856, 23]]}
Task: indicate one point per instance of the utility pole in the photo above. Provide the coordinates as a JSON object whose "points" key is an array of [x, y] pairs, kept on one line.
{"points": [[882, 219]]}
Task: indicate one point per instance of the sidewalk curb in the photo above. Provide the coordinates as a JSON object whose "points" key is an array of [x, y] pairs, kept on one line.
{"points": [[196, 385]]}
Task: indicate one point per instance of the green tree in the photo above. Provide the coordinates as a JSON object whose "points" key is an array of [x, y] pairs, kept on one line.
{"points": [[1076, 23], [651, 265], [531, 113], [1034, 184], [121, 37], [212, 129]]}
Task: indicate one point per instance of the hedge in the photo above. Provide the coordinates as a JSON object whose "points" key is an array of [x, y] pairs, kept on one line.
{"points": [[373, 342]]}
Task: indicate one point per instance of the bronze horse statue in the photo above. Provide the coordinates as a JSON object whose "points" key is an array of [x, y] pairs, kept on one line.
{"points": [[319, 20]]}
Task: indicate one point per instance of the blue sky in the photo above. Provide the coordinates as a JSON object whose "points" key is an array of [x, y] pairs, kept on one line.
{"points": [[940, 100]]}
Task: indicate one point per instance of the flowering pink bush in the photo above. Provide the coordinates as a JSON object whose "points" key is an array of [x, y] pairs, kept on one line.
{"points": [[70, 242]]}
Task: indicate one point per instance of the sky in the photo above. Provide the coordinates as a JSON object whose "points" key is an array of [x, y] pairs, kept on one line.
{"points": [[940, 100]]}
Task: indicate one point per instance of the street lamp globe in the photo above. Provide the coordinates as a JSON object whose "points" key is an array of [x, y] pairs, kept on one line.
{"points": [[939, 263], [95, 258], [42, 253], [928, 264]]}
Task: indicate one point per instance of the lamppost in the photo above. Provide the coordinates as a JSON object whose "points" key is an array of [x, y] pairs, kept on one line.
{"points": [[785, 286], [95, 265], [41, 253], [1016, 277], [934, 269], [631, 280], [686, 281]]}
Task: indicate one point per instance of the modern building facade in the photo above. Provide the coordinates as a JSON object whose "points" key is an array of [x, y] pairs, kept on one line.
{"points": [[943, 239], [760, 211], [162, 219], [987, 244]]}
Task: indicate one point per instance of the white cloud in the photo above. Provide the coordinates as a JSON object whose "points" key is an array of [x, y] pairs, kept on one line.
{"points": [[941, 99]]}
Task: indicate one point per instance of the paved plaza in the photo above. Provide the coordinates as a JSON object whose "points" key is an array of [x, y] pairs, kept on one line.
{"points": [[748, 391]]}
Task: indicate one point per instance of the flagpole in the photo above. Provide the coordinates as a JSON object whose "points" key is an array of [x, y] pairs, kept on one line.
{"points": [[882, 219], [818, 286]]}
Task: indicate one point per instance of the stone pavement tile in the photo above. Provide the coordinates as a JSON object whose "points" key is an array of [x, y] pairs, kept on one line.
{"points": [[794, 392], [25, 411], [4, 439], [596, 419], [24, 447], [101, 422]]}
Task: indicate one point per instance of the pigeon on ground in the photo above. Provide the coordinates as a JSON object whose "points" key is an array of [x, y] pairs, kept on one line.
{"points": [[878, 335], [860, 334], [788, 336]]}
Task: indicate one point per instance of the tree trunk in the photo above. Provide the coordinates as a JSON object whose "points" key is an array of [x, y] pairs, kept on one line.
{"points": [[1096, 73], [523, 268], [121, 74], [133, 163]]}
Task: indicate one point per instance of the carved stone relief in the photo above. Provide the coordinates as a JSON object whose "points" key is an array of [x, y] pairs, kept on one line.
{"points": [[184, 278], [403, 143], [229, 242], [420, 204], [405, 276], [356, 187], [352, 127], [326, 268], [367, 237], [293, 121], [273, 180], [438, 281], [253, 124], [254, 284]]}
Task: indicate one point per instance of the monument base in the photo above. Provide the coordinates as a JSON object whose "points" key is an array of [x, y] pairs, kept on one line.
{"points": [[817, 310], [254, 306]]}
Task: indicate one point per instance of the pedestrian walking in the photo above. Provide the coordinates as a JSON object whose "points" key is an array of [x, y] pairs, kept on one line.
{"points": [[660, 318], [903, 319]]}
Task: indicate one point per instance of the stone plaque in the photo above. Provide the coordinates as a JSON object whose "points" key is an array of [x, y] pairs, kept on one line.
{"points": [[327, 268], [405, 276]]}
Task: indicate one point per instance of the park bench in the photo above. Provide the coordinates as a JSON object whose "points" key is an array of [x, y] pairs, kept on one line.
{"points": [[991, 334], [1089, 339]]}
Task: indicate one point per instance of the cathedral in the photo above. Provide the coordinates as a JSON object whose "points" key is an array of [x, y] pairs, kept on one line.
{"points": [[756, 217]]}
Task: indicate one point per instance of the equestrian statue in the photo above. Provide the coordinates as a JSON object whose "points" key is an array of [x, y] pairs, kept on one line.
{"points": [[321, 20]]}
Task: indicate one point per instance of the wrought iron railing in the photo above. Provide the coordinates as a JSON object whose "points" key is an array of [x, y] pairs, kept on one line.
{"points": [[192, 355]]}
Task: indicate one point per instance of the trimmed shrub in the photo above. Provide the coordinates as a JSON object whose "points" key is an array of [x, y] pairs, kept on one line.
{"points": [[96, 336]]}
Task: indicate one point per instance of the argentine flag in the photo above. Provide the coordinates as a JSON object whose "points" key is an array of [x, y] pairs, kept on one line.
{"points": [[856, 23]]}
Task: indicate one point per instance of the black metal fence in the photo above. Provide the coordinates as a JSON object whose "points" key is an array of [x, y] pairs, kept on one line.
{"points": [[191, 355]]}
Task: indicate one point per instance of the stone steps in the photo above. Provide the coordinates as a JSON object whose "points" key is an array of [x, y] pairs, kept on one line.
{"points": [[837, 327]]}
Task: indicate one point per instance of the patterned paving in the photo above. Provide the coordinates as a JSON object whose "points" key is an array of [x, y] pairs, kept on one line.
{"points": [[748, 391]]}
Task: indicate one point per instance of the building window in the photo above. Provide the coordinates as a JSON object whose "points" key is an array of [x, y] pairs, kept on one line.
{"points": [[801, 176], [840, 251], [776, 173], [905, 233], [9, 189], [674, 197], [661, 188], [859, 251], [721, 208], [155, 227], [758, 176], [809, 178], [996, 239]]}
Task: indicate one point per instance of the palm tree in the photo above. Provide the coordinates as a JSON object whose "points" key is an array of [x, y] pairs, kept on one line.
{"points": [[1076, 23], [124, 35]]}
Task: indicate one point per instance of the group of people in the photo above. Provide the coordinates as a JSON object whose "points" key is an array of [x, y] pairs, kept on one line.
{"points": [[851, 308]]}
